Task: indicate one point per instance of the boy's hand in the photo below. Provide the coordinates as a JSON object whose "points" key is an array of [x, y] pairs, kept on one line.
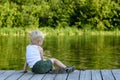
{"points": [[24, 71]]}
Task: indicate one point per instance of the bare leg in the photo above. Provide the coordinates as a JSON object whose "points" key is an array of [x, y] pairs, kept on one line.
{"points": [[62, 69], [57, 62]]}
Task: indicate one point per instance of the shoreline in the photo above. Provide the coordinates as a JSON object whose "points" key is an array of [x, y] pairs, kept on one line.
{"points": [[58, 32]]}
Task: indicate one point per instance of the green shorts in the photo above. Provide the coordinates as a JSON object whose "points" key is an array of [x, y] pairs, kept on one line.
{"points": [[42, 67]]}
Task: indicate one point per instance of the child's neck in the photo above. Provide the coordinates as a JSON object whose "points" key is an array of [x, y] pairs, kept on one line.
{"points": [[35, 44]]}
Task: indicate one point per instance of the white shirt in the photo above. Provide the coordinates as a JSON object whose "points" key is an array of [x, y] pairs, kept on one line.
{"points": [[32, 55]]}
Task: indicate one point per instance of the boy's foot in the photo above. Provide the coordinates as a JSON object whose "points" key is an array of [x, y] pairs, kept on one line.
{"points": [[58, 71], [82, 69], [69, 69]]}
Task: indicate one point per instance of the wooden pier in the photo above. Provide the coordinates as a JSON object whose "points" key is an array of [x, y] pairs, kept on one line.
{"points": [[76, 75]]}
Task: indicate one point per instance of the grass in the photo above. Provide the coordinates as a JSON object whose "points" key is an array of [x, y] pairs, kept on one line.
{"points": [[58, 31]]}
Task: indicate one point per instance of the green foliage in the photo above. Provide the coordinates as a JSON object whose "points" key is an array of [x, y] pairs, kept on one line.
{"points": [[84, 14]]}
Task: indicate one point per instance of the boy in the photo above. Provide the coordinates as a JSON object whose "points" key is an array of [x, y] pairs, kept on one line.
{"points": [[35, 60]]}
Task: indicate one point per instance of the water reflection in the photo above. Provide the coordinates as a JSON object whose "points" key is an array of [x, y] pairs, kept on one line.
{"points": [[85, 51]]}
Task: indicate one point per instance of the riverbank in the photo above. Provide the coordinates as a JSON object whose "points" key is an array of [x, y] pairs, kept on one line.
{"points": [[57, 31]]}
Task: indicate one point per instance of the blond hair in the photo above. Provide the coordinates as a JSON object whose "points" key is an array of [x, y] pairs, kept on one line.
{"points": [[35, 35]]}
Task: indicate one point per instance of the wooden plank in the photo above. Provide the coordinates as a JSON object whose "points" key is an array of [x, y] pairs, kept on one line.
{"points": [[116, 74], [26, 76], [6, 74], [2, 71], [38, 77], [15, 75], [96, 75], [85, 75], [74, 75], [61, 76], [49, 77], [107, 75]]}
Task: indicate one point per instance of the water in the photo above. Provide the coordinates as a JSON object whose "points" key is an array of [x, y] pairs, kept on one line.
{"points": [[85, 51]]}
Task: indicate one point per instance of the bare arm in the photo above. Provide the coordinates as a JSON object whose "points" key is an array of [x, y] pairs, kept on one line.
{"points": [[41, 53], [25, 67]]}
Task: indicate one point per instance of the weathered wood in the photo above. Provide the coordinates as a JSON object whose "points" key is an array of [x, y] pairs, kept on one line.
{"points": [[49, 77], [85, 75], [107, 75], [26, 76], [61, 76], [96, 75], [116, 74], [38, 77], [2, 71], [76, 75], [6, 74], [15, 75]]}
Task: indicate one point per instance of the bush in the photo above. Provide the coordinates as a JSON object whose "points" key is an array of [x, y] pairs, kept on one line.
{"points": [[84, 14]]}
